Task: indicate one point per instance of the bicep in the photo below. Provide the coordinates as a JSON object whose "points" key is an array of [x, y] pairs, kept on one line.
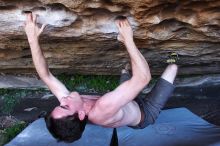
{"points": [[123, 94], [56, 86], [112, 102]]}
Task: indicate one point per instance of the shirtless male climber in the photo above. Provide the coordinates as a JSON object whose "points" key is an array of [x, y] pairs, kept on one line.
{"points": [[117, 108]]}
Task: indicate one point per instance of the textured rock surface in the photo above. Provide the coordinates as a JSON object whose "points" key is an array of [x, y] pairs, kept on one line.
{"points": [[81, 35]]}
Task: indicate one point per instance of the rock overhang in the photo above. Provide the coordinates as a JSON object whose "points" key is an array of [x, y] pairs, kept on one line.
{"points": [[81, 35]]}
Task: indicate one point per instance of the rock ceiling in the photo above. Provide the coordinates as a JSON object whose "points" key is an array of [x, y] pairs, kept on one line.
{"points": [[81, 35]]}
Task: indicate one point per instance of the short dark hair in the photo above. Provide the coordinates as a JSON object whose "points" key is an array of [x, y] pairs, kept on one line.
{"points": [[67, 129]]}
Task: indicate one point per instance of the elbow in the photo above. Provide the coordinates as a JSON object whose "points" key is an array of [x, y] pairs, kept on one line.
{"points": [[146, 78], [45, 75], [142, 80]]}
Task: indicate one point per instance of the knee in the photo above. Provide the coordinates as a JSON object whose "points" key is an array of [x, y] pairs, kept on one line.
{"points": [[173, 67]]}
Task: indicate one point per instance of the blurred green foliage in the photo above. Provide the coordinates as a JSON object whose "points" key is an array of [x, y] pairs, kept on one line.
{"points": [[88, 83], [11, 132]]}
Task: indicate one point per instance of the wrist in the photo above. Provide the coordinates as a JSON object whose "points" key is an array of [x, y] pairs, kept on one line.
{"points": [[33, 40], [129, 40]]}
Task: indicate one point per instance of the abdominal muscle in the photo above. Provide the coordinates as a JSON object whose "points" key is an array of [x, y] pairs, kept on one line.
{"points": [[129, 115]]}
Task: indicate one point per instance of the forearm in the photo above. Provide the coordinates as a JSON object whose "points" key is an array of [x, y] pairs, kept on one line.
{"points": [[140, 67], [33, 32], [128, 90], [38, 59], [56, 87]]}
